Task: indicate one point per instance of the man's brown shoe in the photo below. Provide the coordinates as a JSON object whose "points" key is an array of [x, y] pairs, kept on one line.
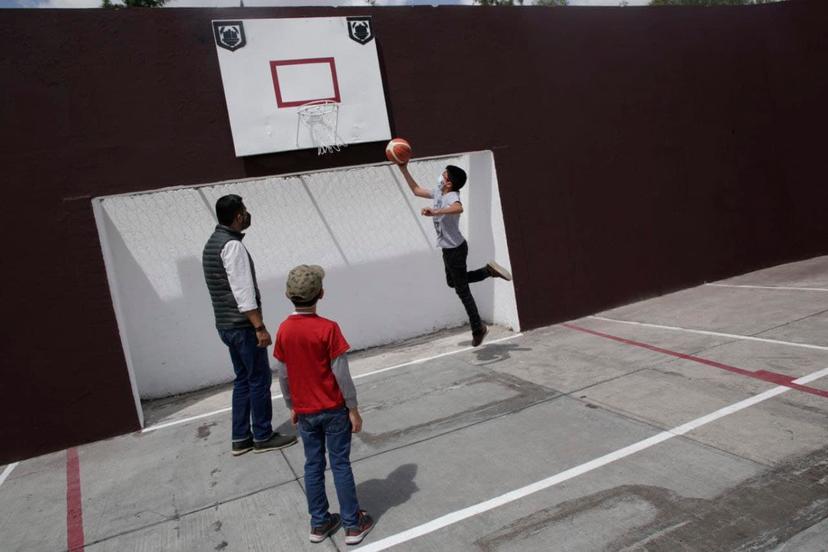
{"points": [[277, 441], [477, 337], [240, 447]]}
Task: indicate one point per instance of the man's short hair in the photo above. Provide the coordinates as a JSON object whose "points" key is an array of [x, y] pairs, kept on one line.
{"points": [[457, 177], [227, 207]]}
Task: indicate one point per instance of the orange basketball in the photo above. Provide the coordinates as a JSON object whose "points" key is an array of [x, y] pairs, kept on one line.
{"points": [[398, 151]]}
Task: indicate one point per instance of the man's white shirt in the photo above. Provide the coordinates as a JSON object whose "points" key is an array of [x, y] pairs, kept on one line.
{"points": [[237, 264]]}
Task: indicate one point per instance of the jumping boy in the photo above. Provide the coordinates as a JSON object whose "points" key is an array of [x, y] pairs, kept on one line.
{"points": [[317, 388], [445, 211]]}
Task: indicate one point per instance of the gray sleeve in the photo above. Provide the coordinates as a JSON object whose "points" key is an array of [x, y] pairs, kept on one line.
{"points": [[283, 382], [339, 367]]}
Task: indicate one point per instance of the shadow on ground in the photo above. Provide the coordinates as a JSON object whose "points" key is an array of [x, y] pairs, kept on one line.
{"points": [[489, 354], [377, 496]]}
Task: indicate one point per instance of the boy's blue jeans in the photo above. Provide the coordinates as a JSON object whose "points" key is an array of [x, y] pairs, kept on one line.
{"points": [[329, 429], [251, 388]]}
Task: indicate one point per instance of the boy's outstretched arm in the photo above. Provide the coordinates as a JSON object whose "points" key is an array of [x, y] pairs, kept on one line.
{"points": [[342, 373], [416, 189]]}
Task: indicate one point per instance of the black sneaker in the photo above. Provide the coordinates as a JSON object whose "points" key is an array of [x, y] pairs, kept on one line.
{"points": [[477, 337], [277, 441], [354, 535], [497, 271], [318, 534], [240, 447]]}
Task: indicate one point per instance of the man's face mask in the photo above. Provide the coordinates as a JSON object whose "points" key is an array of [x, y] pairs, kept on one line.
{"points": [[246, 220]]}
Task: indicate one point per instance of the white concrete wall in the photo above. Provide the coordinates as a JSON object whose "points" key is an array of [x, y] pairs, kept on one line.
{"points": [[385, 279]]}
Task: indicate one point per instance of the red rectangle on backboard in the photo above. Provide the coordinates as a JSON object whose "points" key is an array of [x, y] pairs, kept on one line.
{"points": [[277, 85]]}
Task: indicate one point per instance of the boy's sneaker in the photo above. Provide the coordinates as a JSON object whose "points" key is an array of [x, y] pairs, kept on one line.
{"points": [[318, 534], [497, 271], [240, 447], [277, 441], [354, 535], [477, 337]]}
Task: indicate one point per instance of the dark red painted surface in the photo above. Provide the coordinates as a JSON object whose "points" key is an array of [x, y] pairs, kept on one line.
{"points": [[764, 375], [639, 151], [274, 69], [74, 502]]}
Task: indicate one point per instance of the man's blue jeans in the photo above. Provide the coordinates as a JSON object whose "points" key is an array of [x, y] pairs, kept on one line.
{"points": [[329, 429], [251, 388]]}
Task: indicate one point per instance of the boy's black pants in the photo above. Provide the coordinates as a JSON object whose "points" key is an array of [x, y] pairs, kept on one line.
{"points": [[459, 278]]}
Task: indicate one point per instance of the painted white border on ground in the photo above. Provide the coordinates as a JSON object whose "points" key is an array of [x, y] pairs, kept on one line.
{"points": [[785, 288], [360, 376], [571, 473], [714, 334]]}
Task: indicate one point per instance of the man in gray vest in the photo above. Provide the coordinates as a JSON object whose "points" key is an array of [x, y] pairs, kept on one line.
{"points": [[237, 304]]}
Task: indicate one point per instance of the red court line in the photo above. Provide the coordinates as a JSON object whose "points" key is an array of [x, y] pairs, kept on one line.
{"points": [[770, 377], [74, 508]]}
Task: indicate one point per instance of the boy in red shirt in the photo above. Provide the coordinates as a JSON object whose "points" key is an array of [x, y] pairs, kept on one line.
{"points": [[317, 387]]}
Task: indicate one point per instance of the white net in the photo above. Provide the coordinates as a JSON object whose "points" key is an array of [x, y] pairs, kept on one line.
{"points": [[320, 119]]}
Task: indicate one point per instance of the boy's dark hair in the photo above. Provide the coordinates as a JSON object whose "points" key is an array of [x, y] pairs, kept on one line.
{"points": [[457, 177], [227, 207], [310, 303]]}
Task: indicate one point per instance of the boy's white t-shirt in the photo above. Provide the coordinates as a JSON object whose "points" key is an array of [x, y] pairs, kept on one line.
{"points": [[447, 226]]}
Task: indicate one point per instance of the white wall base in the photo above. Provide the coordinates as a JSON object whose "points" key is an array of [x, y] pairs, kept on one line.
{"points": [[385, 279]]}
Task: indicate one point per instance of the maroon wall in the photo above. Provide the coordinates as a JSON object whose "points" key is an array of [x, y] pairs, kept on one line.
{"points": [[639, 150]]}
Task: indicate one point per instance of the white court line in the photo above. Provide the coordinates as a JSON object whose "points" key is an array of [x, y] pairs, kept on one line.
{"points": [[571, 473], [7, 472], [767, 287], [191, 418], [380, 371], [715, 334]]}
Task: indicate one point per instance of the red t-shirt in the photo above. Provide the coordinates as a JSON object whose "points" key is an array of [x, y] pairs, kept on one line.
{"points": [[306, 344]]}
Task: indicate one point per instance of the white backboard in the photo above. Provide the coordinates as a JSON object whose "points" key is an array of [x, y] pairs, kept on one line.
{"points": [[271, 67]]}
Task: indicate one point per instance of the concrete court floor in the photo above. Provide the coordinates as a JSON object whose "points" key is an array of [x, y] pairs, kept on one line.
{"points": [[677, 424]]}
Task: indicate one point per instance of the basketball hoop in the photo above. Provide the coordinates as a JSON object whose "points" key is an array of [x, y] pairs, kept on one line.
{"points": [[321, 118]]}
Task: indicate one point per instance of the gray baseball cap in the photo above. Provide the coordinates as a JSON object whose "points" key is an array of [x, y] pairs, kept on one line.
{"points": [[304, 282]]}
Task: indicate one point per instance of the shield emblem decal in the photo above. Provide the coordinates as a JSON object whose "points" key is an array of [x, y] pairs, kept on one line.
{"points": [[360, 29], [229, 34]]}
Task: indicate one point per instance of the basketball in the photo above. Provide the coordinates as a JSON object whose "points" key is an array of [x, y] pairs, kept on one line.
{"points": [[398, 151]]}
